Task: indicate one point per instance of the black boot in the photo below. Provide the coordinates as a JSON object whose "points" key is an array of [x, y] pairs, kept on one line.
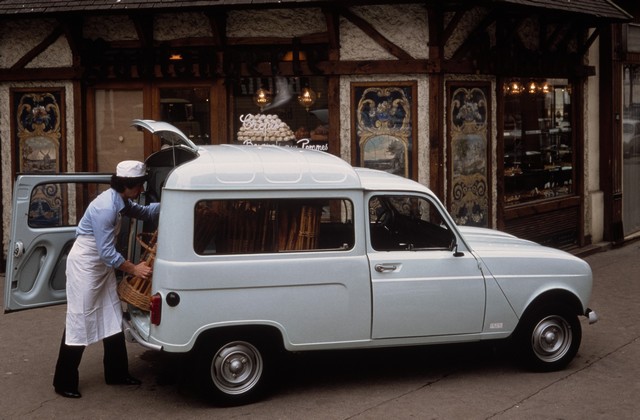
{"points": [[116, 363]]}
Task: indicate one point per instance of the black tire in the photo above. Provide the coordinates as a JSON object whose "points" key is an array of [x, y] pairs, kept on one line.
{"points": [[548, 338], [234, 371]]}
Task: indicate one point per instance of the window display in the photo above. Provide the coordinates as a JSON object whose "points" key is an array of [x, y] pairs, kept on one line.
{"points": [[538, 141], [286, 111]]}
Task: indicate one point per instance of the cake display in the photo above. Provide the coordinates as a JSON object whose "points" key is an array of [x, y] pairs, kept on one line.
{"points": [[263, 128]]}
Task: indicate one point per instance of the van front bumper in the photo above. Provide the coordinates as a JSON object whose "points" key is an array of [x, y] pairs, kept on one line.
{"points": [[132, 335]]}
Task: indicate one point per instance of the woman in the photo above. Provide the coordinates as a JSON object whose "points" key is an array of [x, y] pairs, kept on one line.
{"points": [[94, 311]]}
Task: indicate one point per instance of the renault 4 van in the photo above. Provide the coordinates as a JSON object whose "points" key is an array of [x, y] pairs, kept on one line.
{"points": [[261, 250]]}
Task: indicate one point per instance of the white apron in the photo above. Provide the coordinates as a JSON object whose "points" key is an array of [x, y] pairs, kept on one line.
{"points": [[94, 310]]}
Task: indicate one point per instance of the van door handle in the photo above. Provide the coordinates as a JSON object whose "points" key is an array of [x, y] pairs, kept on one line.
{"points": [[383, 268]]}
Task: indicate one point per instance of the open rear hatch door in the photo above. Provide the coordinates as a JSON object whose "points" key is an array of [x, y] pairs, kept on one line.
{"points": [[175, 149], [168, 134]]}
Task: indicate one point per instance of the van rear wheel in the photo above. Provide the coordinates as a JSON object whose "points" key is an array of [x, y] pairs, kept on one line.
{"points": [[233, 371]]}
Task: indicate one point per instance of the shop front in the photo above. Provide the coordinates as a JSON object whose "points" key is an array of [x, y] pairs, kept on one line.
{"points": [[485, 105]]}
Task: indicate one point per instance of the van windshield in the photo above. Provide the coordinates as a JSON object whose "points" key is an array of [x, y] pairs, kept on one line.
{"points": [[272, 225]]}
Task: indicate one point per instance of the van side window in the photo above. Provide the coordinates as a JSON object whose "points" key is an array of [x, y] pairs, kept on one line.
{"points": [[398, 222], [272, 225]]}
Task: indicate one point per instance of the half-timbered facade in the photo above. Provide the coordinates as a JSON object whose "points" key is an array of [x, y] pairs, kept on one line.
{"points": [[495, 105]]}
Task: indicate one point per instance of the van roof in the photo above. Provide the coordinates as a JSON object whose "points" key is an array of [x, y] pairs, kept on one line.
{"points": [[224, 167]]}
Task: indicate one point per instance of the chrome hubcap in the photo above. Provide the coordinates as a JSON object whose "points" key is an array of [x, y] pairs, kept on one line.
{"points": [[551, 338], [236, 367]]}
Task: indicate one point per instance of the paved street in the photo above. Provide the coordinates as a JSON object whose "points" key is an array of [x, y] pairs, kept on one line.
{"points": [[462, 382]]}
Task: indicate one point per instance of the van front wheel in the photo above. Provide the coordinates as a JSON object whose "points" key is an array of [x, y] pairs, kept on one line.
{"points": [[233, 372], [548, 338]]}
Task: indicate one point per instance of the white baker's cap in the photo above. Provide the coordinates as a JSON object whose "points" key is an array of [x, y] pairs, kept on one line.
{"points": [[131, 169]]}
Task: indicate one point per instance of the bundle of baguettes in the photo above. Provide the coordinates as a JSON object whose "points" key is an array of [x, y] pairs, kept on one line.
{"points": [[136, 290]]}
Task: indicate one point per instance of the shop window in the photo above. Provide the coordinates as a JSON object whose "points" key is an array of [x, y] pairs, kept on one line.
{"points": [[273, 225], [285, 111], [631, 149], [188, 109], [633, 37], [538, 141]]}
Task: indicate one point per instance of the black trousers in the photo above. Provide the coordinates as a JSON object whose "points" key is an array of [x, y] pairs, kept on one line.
{"points": [[115, 361]]}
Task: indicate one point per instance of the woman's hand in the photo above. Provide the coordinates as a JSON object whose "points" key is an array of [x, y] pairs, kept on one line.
{"points": [[142, 270]]}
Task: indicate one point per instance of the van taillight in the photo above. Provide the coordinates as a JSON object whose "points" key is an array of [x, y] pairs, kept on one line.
{"points": [[156, 309]]}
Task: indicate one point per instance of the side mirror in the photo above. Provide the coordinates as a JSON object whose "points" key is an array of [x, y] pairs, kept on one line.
{"points": [[454, 248]]}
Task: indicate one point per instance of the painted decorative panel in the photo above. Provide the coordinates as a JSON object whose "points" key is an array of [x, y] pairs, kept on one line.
{"points": [[468, 126], [38, 120], [384, 129]]}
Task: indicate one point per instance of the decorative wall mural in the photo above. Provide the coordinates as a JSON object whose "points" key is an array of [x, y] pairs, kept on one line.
{"points": [[469, 194], [37, 125], [38, 131], [383, 128]]}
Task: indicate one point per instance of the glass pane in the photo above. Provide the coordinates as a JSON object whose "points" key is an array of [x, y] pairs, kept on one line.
{"points": [[633, 38], [272, 225], [61, 204], [188, 110], [538, 141], [116, 140], [293, 112], [407, 223], [631, 150]]}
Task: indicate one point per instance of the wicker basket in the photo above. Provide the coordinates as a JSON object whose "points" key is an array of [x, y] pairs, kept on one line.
{"points": [[135, 290]]}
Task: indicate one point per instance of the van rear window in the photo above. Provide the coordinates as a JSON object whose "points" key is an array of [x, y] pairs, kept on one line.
{"points": [[272, 225]]}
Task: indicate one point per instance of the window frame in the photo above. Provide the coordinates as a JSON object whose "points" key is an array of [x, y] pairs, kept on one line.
{"points": [[406, 245]]}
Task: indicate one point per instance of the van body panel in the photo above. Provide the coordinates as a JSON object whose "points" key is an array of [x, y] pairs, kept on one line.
{"points": [[278, 290]]}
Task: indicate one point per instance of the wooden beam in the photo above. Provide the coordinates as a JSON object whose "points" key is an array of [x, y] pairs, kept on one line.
{"points": [[333, 33], [452, 25], [473, 35], [589, 43], [72, 29], [35, 74], [553, 38], [366, 27], [317, 38], [376, 67], [436, 104], [144, 29], [333, 96], [336, 68], [218, 24], [564, 41], [38, 49], [214, 41]]}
